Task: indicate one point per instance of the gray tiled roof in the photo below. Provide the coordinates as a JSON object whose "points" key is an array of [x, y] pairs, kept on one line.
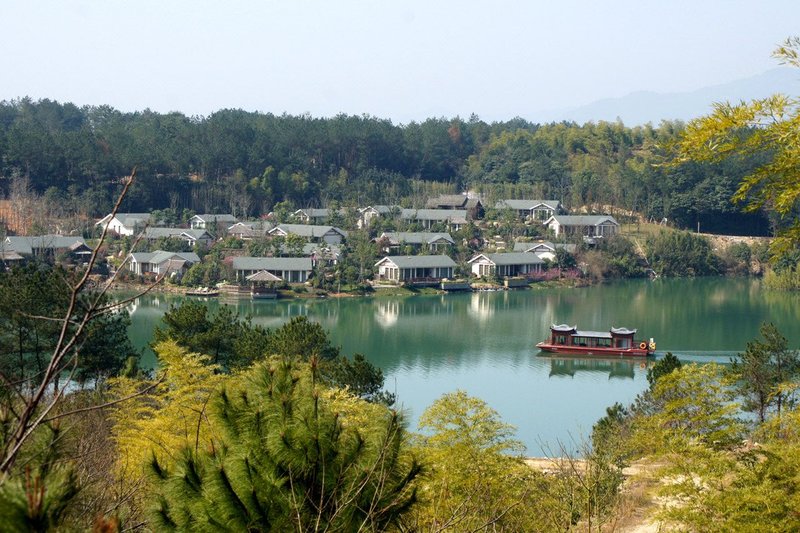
{"points": [[157, 233], [263, 275], [382, 209], [21, 245], [223, 218], [526, 204], [170, 261], [454, 200], [142, 257], [159, 256], [272, 263], [130, 219], [584, 220], [26, 245], [441, 215], [255, 228], [530, 246], [514, 258], [314, 212], [415, 237], [525, 246], [420, 261], [307, 230]]}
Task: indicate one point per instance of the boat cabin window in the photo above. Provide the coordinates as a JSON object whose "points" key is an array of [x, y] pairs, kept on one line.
{"points": [[581, 341], [560, 339], [604, 343], [623, 343]]}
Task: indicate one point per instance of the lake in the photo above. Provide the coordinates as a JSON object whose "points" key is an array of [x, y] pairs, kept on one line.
{"points": [[483, 342]]}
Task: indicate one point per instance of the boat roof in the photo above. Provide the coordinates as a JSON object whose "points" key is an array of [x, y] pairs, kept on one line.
{"points": [[566, 328], [596, 334]]}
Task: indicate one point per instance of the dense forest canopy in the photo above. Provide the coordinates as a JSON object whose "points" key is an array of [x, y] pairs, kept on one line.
{"points": [[246, 162]]}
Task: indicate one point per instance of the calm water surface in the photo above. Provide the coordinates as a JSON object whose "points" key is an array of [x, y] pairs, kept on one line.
{"points": [[483, 342]]}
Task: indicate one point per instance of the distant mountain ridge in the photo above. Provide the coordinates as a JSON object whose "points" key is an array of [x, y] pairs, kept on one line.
{"points": [[641, 107]]}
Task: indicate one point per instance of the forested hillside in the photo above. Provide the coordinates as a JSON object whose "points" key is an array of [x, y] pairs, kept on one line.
{"points": [[246, 162]]}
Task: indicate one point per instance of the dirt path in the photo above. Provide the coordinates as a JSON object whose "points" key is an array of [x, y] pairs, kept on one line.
{"points": [[637, 506]]}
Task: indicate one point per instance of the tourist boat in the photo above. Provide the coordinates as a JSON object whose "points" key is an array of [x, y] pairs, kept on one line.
{"points": [[566, 339]]}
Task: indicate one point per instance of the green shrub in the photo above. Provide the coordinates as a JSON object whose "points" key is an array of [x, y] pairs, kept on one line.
{"points": [[681, 254]]}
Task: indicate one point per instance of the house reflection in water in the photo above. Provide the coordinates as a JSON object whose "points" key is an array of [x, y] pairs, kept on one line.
{"points": [[481, 305], [387, 312], [616, 368]]}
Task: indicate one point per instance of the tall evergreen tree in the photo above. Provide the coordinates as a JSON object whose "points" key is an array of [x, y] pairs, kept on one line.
{"points": [[761, 371]]}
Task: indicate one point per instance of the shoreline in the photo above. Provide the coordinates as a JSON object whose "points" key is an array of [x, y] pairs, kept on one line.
{"points": [[312, 293], [376, 292]]}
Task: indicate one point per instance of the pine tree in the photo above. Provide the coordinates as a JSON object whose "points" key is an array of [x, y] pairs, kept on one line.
{"points": [[285, 459], [37, 497]]}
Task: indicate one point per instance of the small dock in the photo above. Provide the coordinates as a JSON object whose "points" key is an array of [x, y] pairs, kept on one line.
{"points": [[456, 285]]}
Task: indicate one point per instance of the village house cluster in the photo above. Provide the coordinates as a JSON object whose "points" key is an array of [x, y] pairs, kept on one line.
{"points": [[421, 254]]}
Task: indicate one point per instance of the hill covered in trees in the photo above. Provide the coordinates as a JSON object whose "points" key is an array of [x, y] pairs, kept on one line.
{"points": [[246, 162]]}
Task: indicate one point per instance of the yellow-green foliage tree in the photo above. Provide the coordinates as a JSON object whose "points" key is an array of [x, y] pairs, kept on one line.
{"points": [[170, 418], [765, 130], [712, 476], [476, 479], [690, 406]]}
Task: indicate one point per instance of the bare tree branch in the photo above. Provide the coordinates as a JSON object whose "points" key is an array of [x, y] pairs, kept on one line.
{"points": [[36, 407], [106, 404]]}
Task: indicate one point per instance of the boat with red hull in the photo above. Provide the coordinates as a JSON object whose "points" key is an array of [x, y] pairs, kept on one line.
{"points": [[565, 339]]}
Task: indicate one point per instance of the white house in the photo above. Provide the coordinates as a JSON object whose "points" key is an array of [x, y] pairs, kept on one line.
{"points": [[431, 241], [454, 201], [544, 249], [454, 219], [47, 246], [191, 236], [415, 268], [125, 223], [328, 234], [313, 215], [586, 225], [509, 264], [250, 230], [205, 221], [161, 262], [532, 209], [366, 214], [289, 269], [319, 252]]}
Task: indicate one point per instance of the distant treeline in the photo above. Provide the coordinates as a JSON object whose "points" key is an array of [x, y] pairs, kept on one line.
{"points": [[246, 162]]}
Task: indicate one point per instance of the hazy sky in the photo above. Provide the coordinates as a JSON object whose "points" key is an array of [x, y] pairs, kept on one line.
{"points": [[404, 60]]}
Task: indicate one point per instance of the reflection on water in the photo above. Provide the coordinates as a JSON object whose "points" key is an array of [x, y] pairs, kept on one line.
{"points": [[615, 368], [480, 305], [484, 342], [387, 313]]}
